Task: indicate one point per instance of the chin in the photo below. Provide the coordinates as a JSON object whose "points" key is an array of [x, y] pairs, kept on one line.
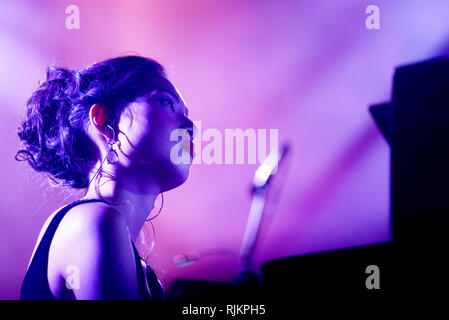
{"points": [[176, 177]]}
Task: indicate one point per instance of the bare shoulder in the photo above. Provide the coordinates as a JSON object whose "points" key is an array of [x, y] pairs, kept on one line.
{"points": [[90, 224], [90, 217], [93, 237], [86, 216]]}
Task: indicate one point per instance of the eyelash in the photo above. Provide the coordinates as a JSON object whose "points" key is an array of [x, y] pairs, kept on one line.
{"points": [[170, 102]]}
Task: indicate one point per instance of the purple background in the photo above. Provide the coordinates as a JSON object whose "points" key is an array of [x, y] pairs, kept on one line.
{"points": [[307, 68]]}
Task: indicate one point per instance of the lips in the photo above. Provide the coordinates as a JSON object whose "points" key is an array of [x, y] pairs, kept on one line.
{"points": [[192, 151], [188, 146]]}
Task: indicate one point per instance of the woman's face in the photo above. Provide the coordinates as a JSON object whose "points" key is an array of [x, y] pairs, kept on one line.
{"points": [[150, 138]]}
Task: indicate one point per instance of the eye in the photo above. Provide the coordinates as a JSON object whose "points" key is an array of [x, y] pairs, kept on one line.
{"points": [[167, 102]]}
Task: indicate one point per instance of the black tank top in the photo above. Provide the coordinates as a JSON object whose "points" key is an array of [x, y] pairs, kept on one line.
{"points": [[35, 286]]}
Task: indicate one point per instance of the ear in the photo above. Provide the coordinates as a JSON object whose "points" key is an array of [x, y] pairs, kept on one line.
{"points": [[98, 116]]}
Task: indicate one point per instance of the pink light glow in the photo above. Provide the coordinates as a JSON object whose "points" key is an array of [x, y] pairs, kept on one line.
{"points": [[307, 68]]}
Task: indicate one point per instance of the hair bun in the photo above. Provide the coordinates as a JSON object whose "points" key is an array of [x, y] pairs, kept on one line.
{"points": [[45, 131], [62, 83]]}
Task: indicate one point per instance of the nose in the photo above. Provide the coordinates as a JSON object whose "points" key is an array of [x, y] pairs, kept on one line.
{"points": [[194, 131], [191, 128]]}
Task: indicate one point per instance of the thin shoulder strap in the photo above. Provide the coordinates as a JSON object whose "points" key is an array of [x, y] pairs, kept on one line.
{"points": [[148, 278], [141, 281]]}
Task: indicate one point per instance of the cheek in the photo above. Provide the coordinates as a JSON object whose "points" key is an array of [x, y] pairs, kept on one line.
{"points": [[137, 134], [147, 136], [135, 139], [161, 128], [151, 142], [134, 123]]}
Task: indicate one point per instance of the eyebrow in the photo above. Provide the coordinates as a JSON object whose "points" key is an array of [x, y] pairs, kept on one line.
{"points": [[169, 92], [173, 95]]}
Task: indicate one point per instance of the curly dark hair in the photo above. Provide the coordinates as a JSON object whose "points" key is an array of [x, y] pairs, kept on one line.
{"points": [[54, 133]]}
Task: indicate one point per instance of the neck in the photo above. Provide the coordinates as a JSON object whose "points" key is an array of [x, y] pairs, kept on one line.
{"points": [[135, 204]]}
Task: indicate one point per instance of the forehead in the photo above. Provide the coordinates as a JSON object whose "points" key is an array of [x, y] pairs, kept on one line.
{"points": [[163, 84]]}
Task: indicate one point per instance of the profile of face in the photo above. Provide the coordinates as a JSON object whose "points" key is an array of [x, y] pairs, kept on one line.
{"points": [[145, 135]]}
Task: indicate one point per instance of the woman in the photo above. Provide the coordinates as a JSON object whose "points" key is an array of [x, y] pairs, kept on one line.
{"points": [[108, 128]]}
